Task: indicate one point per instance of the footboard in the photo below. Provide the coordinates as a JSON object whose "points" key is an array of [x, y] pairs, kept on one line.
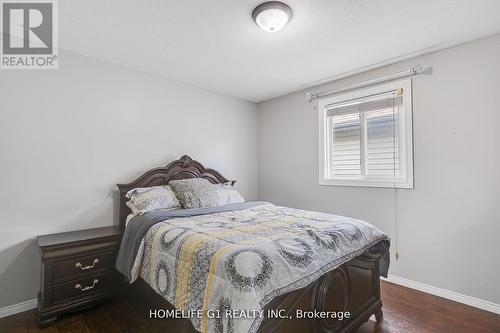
{"points": [[354, 287]]}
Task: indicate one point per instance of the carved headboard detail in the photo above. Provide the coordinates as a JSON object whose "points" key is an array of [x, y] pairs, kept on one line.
{"points": [[184, 167]]}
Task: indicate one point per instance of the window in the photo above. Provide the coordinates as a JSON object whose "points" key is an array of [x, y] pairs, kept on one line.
{"points": [[365, 137]]}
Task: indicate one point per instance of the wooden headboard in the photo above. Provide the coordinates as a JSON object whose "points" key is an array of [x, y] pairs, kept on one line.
{"points": [[184, 167]]}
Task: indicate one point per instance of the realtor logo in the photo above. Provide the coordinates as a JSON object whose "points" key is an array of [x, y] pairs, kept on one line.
{"points": [[29, 34]]}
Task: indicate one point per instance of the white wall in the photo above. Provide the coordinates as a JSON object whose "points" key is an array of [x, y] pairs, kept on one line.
{"points": [[449, 225], [68, 136]]}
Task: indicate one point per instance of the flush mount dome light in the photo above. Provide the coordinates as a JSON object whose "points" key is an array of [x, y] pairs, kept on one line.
{"points": [[272, 16]]}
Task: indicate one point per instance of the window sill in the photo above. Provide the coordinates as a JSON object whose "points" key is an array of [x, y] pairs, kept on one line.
{"points": [[408, 184]]}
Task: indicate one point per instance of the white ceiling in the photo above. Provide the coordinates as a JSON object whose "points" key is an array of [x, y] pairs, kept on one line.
{"points": [[214, 44]]}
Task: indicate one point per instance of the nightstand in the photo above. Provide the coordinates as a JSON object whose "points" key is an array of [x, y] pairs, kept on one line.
{"points": [[77, 271]]}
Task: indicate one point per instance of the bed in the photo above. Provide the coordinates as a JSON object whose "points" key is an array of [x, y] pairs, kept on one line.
{"points": [[318, 285]]}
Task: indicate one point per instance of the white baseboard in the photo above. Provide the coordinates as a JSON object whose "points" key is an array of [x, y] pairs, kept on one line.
{"points": [[451, 295], [16, 308]]}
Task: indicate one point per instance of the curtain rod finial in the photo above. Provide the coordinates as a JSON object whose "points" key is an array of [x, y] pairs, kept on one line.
{"points": [[419, 70], [309, 97]]}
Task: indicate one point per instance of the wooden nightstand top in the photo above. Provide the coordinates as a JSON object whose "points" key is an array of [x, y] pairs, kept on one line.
{"points": [[78, 236]]}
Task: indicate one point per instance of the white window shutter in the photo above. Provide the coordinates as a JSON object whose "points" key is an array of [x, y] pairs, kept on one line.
{"points": [[345, 134], [382, 142]]}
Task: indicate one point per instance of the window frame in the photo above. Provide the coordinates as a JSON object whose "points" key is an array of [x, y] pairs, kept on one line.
{"points": [[405, 136]]}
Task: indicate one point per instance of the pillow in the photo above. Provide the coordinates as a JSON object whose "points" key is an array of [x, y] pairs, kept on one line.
{"points": [[146, 199], [200, 193]]}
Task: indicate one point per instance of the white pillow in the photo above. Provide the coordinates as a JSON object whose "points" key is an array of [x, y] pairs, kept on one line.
{"points": [[146, 199]]}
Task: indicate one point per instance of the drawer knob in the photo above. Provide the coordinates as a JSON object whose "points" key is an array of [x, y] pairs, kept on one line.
{"points": [[79, 286], [79, 265]]}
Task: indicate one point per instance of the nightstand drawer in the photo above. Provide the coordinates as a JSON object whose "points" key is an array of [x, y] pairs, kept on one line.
{"points": [[83, 287], [83, 265]]}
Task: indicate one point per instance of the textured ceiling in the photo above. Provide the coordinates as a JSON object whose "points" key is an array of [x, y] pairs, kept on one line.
{"points": [[214, 44]]}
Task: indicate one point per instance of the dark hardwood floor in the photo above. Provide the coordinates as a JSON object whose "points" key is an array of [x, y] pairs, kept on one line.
{"points": [[405, 311]]}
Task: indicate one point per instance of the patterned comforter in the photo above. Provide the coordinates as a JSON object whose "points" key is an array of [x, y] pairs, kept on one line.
{"points": [[242, 259]]}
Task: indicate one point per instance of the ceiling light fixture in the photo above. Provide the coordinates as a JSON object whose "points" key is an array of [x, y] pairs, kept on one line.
{"points": [[272, 16]]}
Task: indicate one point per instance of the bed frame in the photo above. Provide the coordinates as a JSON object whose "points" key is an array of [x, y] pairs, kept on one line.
{"points": [[353, 287]]}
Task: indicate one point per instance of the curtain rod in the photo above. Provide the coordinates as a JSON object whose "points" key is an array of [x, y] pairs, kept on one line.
{"points": [[412, 71]]}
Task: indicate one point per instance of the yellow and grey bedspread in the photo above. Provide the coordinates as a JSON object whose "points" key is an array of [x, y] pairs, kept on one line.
{"points": [[241, 259]]}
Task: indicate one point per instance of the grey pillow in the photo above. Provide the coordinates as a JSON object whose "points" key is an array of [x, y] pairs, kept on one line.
{"points": [[146, 199], [200, 193]]}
